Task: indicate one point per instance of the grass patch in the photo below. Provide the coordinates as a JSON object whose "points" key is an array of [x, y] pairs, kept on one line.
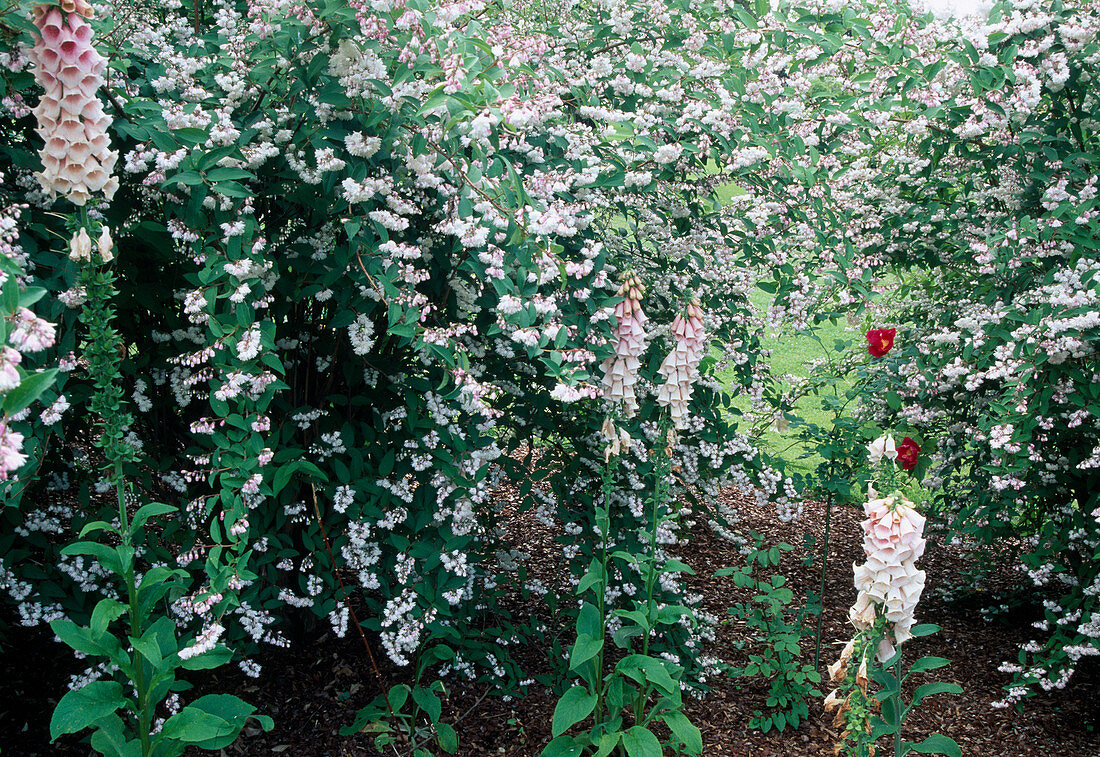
{"points": [[791, 353]]}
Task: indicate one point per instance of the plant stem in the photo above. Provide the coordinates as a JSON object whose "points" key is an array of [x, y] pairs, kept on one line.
{"points": [[897, 707], [661, 470], [136, 620], [603, 523], [824, 568]]}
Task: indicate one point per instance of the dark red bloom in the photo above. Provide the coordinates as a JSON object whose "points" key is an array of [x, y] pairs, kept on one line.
{"points": [[879, 341], [908, 452]]}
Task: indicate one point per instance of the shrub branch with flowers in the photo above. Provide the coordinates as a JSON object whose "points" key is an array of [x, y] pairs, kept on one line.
{"points": [[381, 264]]}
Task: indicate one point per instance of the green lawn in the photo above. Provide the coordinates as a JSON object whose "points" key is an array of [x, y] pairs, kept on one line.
{"points": [[790, 354]]}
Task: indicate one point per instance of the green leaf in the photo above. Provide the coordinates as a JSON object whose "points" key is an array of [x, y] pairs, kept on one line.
{"points": [[110, 739], [607, 743], [938, 744], [106, 556], [429, 702], [684, 730], [574, 706], [589, 621], [30, 295], [96, 525], [106, 611], [447, 737], [29, 390], [563, 746], [79, 709], [214, 658], [640, 742], [652, 668], [931, 689], [80, 639], [929, 663], [214, 721], [193, 726], [228, 174], [584, 649], [148, 511]]}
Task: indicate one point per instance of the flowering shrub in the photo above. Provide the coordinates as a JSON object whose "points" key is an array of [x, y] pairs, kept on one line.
{"points": [[372, 271], [960, 181], [368, 272]]}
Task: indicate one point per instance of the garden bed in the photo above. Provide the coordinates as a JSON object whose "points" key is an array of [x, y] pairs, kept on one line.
{"points": [[312, 690]]}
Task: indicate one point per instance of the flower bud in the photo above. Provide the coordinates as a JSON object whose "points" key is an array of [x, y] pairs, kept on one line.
{"points": [[106, 245], [80, 247]]}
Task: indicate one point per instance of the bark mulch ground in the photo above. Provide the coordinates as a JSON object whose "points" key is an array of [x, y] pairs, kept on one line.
{"points": [[312, 690]]}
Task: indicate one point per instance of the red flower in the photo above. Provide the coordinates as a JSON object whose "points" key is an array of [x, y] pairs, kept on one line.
{"points": [[879, 341], [908, 452]]}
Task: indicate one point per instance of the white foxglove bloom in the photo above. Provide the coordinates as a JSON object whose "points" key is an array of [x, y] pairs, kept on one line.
{"points": [[80, 247], [105, 246], [889, 582], [882, 447]]}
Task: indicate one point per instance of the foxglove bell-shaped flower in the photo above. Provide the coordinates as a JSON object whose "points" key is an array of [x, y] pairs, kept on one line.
{"points": [[889, 582], [105, 246], [681, 368], [621, 370], [80, 247], [76, 158], [882, 447]]}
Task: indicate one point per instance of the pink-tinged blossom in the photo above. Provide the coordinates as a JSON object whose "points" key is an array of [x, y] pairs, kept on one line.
{"points": [[621, 370], [77, 159], [889, 582], [53, 413], [11, 451], [681, 368], [30, 333], [9, 372]]}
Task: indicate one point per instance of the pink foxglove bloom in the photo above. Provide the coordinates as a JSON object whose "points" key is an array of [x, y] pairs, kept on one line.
{"points": [[9, 373], [11, 451], [621, 370], [30, 333], [681, 368], [77, 160], [889, 582]]}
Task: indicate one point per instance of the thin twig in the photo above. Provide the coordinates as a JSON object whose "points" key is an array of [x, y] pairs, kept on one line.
{"points": [[347, 602]]}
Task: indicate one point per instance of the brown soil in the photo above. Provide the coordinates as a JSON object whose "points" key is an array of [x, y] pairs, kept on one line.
{"points": [[311, 691]]}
